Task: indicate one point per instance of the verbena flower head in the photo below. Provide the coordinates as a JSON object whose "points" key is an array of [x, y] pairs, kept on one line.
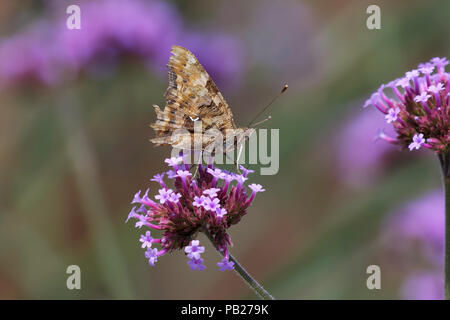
{"points": [[212, 201], [418, 107]]}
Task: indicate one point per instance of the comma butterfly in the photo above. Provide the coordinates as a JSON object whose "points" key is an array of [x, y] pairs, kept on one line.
{"points": [[193, 98]]}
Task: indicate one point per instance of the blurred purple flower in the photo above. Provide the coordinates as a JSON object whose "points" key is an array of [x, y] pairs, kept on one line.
{"points": [[421, 221], [420, 224], [220, 54], [424, 286], [112, 30], [358, 159], [115, 28], [23, 58]]}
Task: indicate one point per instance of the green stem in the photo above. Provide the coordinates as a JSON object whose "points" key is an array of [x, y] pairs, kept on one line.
{"points": [[447, 238], [445, 164], [253, 284], [86, 173]]}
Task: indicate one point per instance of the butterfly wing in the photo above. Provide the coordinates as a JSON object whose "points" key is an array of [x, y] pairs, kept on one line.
{"points": [[191, 96]]}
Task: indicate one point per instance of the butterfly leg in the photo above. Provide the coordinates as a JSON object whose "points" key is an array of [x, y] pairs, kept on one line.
{"points": [[238, 157], [234, 162], [197, 165]]}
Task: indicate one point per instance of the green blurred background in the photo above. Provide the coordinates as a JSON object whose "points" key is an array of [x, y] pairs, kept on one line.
{"points": [[74, 152]]}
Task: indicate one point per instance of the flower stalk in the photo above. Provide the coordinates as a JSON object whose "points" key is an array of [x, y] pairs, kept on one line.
{"points": [[252, 283], [445, 165], [210, 201], [420, 115]]}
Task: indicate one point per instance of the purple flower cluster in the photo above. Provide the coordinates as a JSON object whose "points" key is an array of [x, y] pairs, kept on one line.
{"points": [[115, 29], [111, 31], [419, 110], [420, 224], [24, 60], [211, 202]]}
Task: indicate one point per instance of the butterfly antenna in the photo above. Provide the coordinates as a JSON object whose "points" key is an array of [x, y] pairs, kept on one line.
{"points": [[262, 121], [268, 105]]}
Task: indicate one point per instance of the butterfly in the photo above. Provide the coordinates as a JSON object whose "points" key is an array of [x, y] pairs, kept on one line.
{"points": [[195, 105]]}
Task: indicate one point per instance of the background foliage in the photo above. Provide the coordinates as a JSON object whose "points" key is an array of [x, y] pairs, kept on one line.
{"points": [[74, 150]]}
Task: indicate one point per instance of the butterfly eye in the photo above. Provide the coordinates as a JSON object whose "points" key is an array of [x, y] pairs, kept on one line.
{"points": [[194, 119]]}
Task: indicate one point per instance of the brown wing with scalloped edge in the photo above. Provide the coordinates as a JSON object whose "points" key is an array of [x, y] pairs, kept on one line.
{"points": [[191, 96]]}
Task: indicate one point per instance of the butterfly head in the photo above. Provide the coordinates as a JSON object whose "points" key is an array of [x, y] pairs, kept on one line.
{"points": [[245, 134], [248, 132]]}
